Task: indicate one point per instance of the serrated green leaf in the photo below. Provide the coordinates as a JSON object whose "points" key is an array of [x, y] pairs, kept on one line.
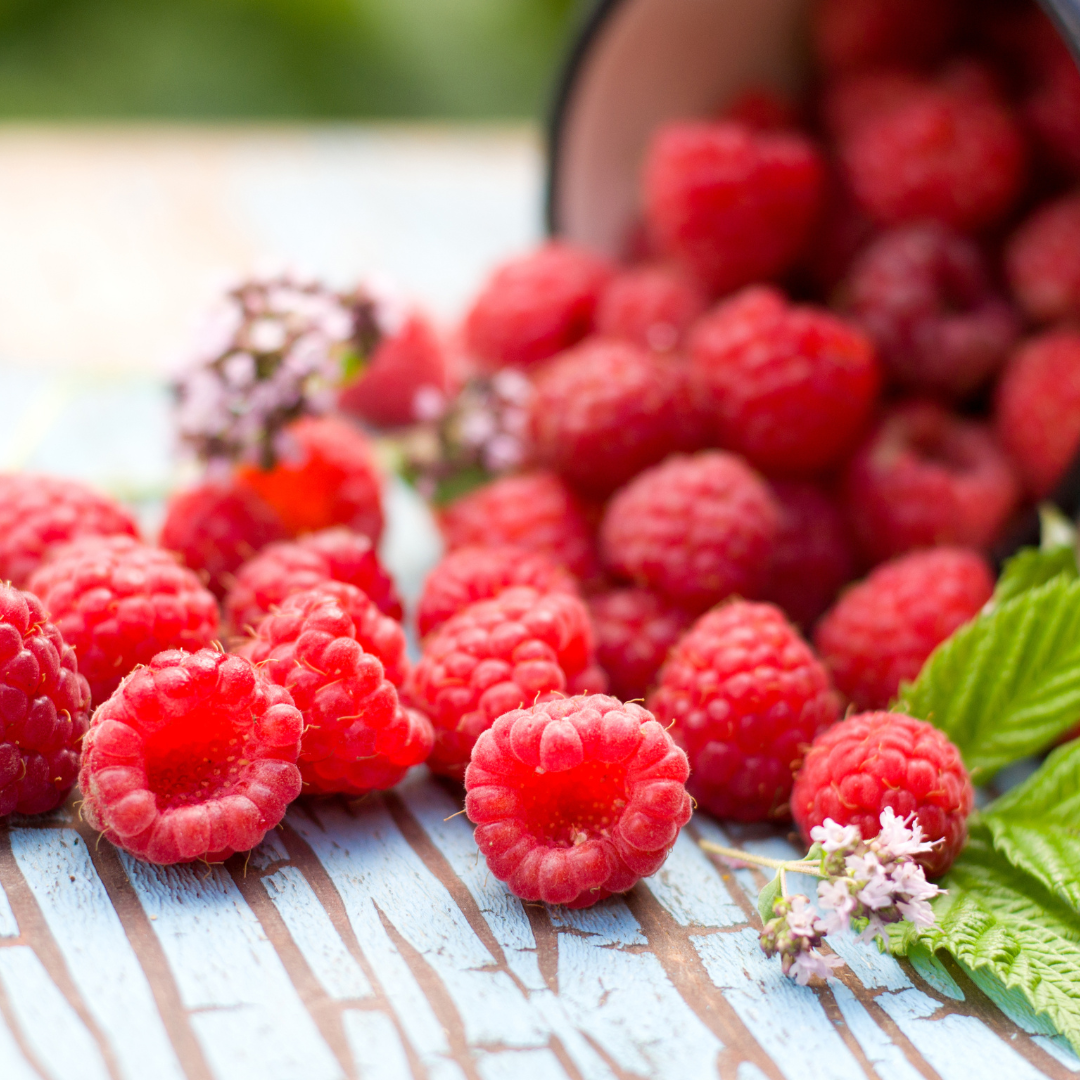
{"points": [[1007, 684], [767, 897], [1031, 567]]}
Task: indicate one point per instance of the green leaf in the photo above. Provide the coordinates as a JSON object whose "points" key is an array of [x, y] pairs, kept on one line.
{"points": [[1031, 567], [1006, 685], [767, 897]]}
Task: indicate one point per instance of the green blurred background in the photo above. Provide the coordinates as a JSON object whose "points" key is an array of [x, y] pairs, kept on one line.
{"points": [[280, 59]]}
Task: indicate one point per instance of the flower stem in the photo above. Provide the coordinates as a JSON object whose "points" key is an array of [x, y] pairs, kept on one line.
{"points": [[796, 866]]}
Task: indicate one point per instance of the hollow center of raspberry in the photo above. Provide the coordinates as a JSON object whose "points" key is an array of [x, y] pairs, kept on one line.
{"points": [[567, 808], [194, 760]]}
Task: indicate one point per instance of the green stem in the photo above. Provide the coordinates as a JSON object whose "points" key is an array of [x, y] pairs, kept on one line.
{"points": [[795, 866]]}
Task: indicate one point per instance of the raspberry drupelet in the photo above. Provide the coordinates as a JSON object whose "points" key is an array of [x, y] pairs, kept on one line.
{"points": [[118, 603], [881, 630], [38, 513], [282, 569], [877, 759], [496, 655], [44, 705], [577, 799], [652, 306], [193, 757], [1042, 259], [340, 659], [744, 696]]}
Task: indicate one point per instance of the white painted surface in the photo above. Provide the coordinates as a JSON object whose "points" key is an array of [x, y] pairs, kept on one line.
{"points": [[376, 1046]]}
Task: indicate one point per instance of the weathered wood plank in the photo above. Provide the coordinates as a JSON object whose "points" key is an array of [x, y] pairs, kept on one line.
{"points": [[886, 1057], [9, 927], [521, 1065], [691, 889], [376, 1046]]}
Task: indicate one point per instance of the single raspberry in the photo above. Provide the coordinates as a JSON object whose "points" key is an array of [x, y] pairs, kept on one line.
{"points": [[731, 204], [496, 655], [926, 476], [878, 759], [38, 513], [44, 707], [282, 569], [340, 659], [328, 476], [923, 294], [215, 527], [763, 108], [1037, 411], [696, 528], [536, 306], [602, 412], [814, 554], [789, 387], [470, 574], [882, 630], [535, 511], [119, 603], [855, 99], [635, 630], [193, 757], [651, 306], [576, 800], [1043, 261]]}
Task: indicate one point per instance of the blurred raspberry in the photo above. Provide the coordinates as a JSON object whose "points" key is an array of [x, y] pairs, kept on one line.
{"points": [[576, 800], [763, 108], [731, 204], [695, 528], [855, 99], [1052, 103], [926, 476], [192, 758], [882, 630], [651, 306], [1043, 261], [789, 387]]}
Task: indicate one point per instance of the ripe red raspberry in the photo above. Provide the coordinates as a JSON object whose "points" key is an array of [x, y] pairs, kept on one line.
{"points": [[39, 512], [789, 387], [651, 306], [193, 757], [470, 574], [282, 569], [215, 527], [535, 306], [1052, 104], [744, 696], [1037, 412], [922, 293], [814, 554], [878, 759], [635, 630], [603, 411], [118, 603], [328, 476], [576, 800], [521, 647], [536, 511], [731, 204], [763, 108], [854, 99], [44, 705], [882, 630], [696, 528], [340, 659], [926, 476], [1043, 261]]}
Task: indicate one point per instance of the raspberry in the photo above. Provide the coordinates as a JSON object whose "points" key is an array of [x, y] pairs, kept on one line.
{"points": [[282, 569], [1043, 261], [536, 511], [1052, 106], [329, 478], [576, 800], [1037, 412], [217, 526], [878, 759], [536, 306], [882, 630], [635, 629], [191, 758], [44, 704], [855, 99], [39, 512], [651, 306], [814, 554], [470, 574], [763, 108], [922, 293], [696, 528], [926, 476], [732, 204], [496, 655], [602, 412], [744, 696], [118, 603], [339, 658]]}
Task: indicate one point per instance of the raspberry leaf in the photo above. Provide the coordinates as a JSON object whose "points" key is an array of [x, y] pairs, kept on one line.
{"points": [[1030, 567]]}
